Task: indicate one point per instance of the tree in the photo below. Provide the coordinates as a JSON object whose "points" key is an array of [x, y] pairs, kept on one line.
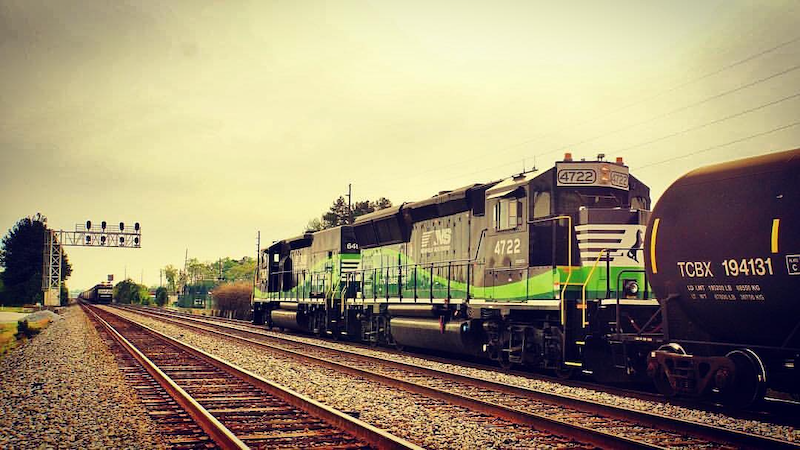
{"points": [[340, 214], [171, 273], [314, 225], [22, 257], [128, 291], [198, 271], [161, 296], [241, 270], [337, 215], [64, 295], [141, 295]]}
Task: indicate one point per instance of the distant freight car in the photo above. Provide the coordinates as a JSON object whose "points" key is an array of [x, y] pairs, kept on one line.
{"points": [[101, 293], [723, 257]]}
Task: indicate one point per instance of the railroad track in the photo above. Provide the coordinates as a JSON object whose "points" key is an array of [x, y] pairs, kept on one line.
{"points": [[600, 424], [773, 410], [200, 401]]}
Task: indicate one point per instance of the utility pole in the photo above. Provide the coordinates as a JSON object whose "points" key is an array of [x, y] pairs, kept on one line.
{"points": [[255, 272], [349, 203]]}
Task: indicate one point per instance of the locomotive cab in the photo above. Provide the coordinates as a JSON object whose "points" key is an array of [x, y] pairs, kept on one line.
{"points": [[564, 269]]}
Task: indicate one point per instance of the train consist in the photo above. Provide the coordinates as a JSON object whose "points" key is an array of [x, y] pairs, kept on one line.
{"points": [[552, 271], [100, 293]]}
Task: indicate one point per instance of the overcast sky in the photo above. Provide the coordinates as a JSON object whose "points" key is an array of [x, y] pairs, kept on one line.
{"points": [[208, 121]]}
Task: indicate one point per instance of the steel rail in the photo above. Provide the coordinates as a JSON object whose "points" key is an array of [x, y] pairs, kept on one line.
{"points": [[584, 434], [360, 429], [780, 412], [218, 432], [677, 425]]}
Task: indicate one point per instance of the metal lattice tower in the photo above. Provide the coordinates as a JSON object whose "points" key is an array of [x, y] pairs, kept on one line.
{"points": [[51, 272]]}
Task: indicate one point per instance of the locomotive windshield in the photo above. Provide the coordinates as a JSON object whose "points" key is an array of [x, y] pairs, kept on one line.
{"points": [[570, 201]]}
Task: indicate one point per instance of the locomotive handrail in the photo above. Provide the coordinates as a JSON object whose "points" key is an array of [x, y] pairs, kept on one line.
{"points": [[586, 282], [384, 270]]}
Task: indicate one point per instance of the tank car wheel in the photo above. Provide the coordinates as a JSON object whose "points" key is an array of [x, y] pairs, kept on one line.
{"points": [[749, 383], [660, 379]]}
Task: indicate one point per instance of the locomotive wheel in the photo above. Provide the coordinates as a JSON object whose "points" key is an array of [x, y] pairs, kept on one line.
{"points": [[565, 373], [749, 381], [505, 364]]}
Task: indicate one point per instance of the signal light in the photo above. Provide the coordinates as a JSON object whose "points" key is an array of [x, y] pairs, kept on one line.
{"points": [[136, 226], [103, 225], [121, 226], [619, 160], [121, 240], [136, 240], [88, 224], [568, 156], [88, 239], [102, 240]]}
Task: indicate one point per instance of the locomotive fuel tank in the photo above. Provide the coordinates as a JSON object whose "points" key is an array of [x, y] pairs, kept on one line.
{"points": [[723, 250], [455, 336]]}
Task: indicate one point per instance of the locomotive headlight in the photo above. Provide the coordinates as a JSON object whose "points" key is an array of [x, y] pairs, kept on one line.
{"points": [[631, 287], [605, 175]]}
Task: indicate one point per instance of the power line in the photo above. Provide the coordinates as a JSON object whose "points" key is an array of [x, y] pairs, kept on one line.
{"points": [[713, 122], [661, 116], [681, 109], [714, 147], [621, 108]]}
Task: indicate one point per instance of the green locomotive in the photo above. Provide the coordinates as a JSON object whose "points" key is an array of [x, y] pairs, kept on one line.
{"points": [[539, 269]]}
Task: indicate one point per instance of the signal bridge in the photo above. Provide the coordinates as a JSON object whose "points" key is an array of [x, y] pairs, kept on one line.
{"points": [[87, 235]]}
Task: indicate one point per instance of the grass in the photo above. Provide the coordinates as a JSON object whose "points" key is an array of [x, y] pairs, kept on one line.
{"points": [[14, 333], [16, 309], [8, 337]]}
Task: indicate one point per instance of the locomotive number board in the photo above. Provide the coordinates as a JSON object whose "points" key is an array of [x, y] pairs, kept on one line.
{"points": [[592, 174]]}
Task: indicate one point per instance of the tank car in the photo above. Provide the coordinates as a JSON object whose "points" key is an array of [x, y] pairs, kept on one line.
{"points": [[723, 257]]}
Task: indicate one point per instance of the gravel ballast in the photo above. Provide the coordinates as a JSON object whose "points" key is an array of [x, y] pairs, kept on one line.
{"points": [[63, 389], [426, 422]]}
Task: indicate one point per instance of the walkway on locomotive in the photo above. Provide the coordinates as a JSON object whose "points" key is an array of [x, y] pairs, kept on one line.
{"points": [[574, 230]]}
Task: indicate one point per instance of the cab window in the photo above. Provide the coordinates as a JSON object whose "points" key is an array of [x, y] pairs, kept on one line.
{"points": [[507, 214], [541, 204]]}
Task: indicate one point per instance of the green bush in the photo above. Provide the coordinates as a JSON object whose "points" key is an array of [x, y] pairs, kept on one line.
{"points": [[161, 296]]}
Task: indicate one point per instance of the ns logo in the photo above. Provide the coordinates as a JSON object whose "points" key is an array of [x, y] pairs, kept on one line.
{"points": [[437, 240]]}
